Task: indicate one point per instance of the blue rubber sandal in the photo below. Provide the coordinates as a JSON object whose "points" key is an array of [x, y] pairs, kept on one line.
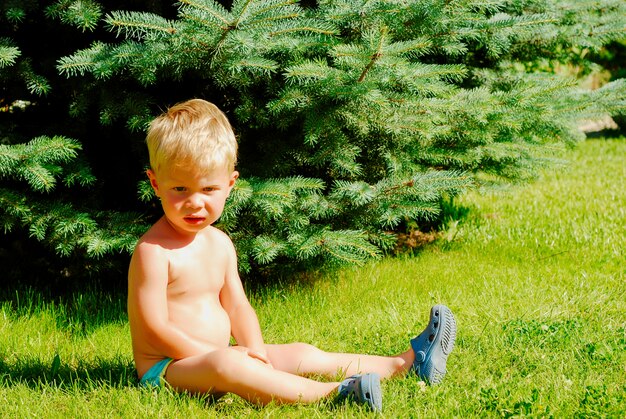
{"points": [[434, 344], [363, 389]]}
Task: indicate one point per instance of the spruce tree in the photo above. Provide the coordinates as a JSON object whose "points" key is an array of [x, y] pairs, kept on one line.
{"points": [[54, 223], [356, 119]]}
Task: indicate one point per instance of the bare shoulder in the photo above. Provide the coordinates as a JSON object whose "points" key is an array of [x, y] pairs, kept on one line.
{"points": [[152, 241], [146, 248], [222, 246], [150, 251], [220, 237]]}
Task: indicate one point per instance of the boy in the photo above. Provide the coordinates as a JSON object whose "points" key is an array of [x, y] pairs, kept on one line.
{"points": [[186, 300]]}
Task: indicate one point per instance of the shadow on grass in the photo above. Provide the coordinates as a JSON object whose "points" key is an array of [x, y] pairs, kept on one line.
{"points": [[79, 312], [97, 376], [37, 373]]}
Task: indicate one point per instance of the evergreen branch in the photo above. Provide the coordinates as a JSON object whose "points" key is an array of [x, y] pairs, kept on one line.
{"points": [[245, 4], [280, 4], [14, 205], [265, 248], [9, 158], [36, 160], [14, 15], [399, 211], [48, 150], [8, 54], [222, 41], [97, 245], [354, 241], [64, 248], [203, 22], [127, 52], [139, 24], [7, 224], [278, 199], [345, 161], [267, 66], [37, 85], [289, 99], [344, 246], [502, 20], [82, 61], [81, 175], [239, 197], [454, 72], [316, 206], [415, 47], [83, 14], [241, 193], [37, 176], [309, 246], [308, 71], [271, 19], [369, 66], [77, 223], [242, 18], [214, 9], [303, 27], [359, 193], [376, 56], [286, 188], [39, 225], [603, 34], [428, 185], [145, 193], [301, 182], [273, 197], [266, 191], [611, 97]]}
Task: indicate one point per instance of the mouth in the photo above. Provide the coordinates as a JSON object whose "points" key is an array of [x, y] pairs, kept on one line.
{"points": [[194, 220]]}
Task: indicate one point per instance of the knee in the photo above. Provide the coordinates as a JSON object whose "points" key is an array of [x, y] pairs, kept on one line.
{"points": [[305, 350], [223, 364]]}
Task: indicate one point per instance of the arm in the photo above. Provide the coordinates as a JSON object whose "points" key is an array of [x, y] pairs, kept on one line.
{"points": [[244, 321], [147, 306]]}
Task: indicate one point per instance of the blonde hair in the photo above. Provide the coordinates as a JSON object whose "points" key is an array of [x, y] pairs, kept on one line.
{"points": [[195, 132]]}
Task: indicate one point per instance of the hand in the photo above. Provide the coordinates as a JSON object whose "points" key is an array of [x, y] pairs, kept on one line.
{"points": [[260, 355]]}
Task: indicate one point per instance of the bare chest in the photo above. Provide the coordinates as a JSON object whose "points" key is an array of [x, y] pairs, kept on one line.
{"points": [[195, 273], [196, 279]]}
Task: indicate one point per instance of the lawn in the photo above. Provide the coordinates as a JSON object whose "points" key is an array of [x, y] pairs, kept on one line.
{"points": [[535, 274]]}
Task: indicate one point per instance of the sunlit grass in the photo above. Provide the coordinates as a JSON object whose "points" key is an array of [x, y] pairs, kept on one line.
{"points": [[535, 275]]}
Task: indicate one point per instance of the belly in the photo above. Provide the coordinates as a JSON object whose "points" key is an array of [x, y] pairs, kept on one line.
{"points": [[206, 321]]}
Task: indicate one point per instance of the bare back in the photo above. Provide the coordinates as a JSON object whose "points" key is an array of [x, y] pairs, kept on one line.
{"points": [[175, 284]]}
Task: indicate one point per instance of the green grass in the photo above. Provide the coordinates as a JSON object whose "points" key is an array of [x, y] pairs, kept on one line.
{"points": [[535, 275]]}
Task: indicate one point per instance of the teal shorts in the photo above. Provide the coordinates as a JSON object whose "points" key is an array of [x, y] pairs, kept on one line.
{"points": [[154, 376]]}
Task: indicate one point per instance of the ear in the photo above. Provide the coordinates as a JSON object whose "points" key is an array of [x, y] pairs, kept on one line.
{"points": [[233, 178], [153, 181]]}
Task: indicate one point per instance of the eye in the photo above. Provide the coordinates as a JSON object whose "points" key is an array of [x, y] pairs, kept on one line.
{"points": [[210, 189], [179, 188]]}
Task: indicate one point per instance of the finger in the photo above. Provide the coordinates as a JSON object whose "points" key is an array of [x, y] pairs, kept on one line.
{"points": [[260, 356], [257, 355]]}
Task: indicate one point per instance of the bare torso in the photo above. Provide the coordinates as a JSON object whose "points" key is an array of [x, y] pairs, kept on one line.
{"points": [[195, 276]]}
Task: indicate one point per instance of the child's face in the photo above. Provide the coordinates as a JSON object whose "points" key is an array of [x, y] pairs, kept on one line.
{"points": [[191, 200]]}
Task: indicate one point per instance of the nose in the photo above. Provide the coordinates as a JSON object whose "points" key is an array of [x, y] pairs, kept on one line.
{"points": [[194, 201]]}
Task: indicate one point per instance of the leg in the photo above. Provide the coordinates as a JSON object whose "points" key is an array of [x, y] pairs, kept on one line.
{"points": [[304, 359], [427, 355], [228, 370]]}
